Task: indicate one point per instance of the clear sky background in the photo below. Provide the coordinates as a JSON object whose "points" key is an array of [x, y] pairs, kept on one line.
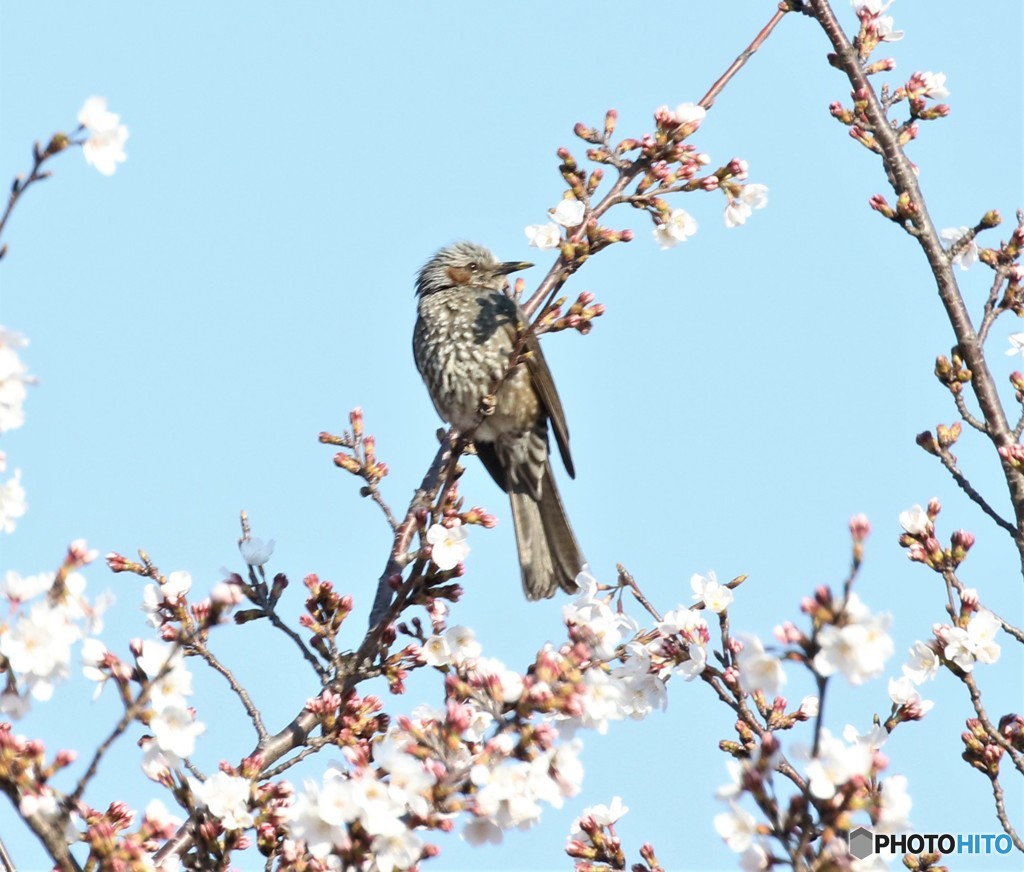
{"points": [[246, 278]]}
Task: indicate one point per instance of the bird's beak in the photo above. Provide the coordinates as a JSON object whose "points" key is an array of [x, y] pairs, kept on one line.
{"points": [[503, 269]]}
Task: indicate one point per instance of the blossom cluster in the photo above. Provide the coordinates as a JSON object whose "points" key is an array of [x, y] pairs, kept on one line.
{"points": [[47, 615], [13, 380], [665, 164], [104, 146], [503, 745]]}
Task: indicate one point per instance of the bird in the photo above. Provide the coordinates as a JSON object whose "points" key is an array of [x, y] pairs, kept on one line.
{"points": [[466, 328]]}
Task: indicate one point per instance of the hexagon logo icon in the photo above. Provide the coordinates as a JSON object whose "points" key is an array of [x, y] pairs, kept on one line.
{"points": [[862, 843]]}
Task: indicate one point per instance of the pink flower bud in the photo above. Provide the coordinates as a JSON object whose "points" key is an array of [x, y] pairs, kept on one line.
{"points": [[116, 562], [860, 527]]}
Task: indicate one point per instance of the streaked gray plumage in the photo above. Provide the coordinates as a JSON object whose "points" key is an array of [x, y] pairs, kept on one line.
{"points": [[462, 343]]}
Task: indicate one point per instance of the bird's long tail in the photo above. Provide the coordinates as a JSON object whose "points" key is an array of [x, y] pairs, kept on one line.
{"points": [[549, 554]]}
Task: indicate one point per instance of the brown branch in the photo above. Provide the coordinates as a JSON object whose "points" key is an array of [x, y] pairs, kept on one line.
{"points": [[49, 831], [625, 576], [19, 186], [708, 100], [991, 729], [901, 176], [950, 463], [997, 795], [965, 413], [239, 691]]}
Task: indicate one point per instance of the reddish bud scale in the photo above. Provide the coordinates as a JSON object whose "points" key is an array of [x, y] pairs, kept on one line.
{"points": [[610, 119], [355, 418]]}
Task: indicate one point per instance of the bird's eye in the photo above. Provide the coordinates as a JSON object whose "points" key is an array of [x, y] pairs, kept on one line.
{"points": [[472, 266]]}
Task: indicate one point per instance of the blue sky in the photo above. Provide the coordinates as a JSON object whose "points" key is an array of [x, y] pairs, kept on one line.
{"points": [[246, 278]]}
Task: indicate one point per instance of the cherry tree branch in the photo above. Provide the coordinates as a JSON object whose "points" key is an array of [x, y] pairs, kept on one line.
{"points": [[903, 180]]}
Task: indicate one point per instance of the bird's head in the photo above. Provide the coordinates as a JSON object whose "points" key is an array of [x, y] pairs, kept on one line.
{"points": [[465, 263]]}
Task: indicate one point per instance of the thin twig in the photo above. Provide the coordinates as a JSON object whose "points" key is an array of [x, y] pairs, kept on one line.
{"points": [[949, 462], [708, 100], [997, 795], [993, 731], [239, 691], [20, 186], [6, 863], [991, 310], [965, 413], [625, 576], [312, 746], [127, 718], [954, 582]]}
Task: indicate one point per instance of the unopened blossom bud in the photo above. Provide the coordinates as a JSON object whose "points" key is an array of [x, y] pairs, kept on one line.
{"points": [[584, 132], [57, 144], [909, 133], [79, 553], [610, 119], [969, 596], [1011, 727], [346, 462], [65, 757], [881, 205], [787, 633], [864, 138], [883, 66], [117, 563], [992, 218], [330, 439], [1013, 455], [934, 507], [963, 539], [988, 256], [664, 117], [840, 112], [927, 442], [860, 527], [355, 418], [948, 435]]}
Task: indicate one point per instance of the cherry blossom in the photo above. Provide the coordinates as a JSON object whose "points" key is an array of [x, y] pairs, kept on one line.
{"points": [[741, 207], [758, 669], [716, 596], [255, 552], [568, 213], [544, 236], [678, 227], [104, 149], [448, 545], [227, 798]]}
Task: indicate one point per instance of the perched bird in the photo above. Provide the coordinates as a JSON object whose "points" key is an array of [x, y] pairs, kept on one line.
{"points": [[464, 337]]}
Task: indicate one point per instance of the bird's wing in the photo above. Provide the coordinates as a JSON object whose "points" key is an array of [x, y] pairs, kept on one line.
{"points": [[544, 384]]}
